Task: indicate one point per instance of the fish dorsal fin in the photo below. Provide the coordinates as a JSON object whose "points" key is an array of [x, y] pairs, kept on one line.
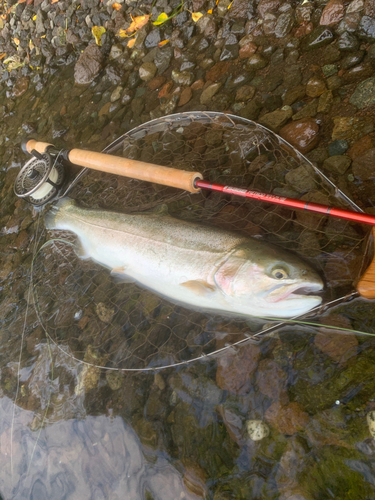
{"points": [[199, 287], [157, 211], [120, 276]]}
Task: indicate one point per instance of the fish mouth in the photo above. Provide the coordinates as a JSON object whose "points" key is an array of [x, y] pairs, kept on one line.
{"points": [[301, 291]]}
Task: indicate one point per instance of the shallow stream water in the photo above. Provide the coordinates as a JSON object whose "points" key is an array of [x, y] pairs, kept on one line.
{"points": [[284, 418]]}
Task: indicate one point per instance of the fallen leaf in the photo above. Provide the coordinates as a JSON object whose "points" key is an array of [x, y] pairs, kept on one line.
{"points": [[196, 16], [34, 18], [137, 23], [209, 11], [13, 62], [2, 56], [31, 45], [162, 18], [98, 31], [16, 41], [131, 43], [230, 5], [164, 42], [21, 1], [54, 1], [116, 6]]}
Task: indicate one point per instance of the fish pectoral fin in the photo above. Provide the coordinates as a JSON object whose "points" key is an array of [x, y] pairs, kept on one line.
{"points": [[80, 251], [199, 287], [120, 275]]}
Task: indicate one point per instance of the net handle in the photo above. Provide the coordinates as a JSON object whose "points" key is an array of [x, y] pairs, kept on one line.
{"points": [[134, 169], [366, 285]]}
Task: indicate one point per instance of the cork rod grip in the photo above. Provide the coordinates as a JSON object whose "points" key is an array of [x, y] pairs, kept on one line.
{"points": [[366, 285], [135, 169]]}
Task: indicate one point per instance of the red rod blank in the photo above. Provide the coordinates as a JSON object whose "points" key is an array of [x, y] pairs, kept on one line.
{"points": [[289, 202]]}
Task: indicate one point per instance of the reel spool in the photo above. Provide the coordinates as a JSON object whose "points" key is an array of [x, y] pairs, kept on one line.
{"points": [[39, 179]]}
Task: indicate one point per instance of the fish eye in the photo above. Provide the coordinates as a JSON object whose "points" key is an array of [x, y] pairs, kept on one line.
{"points": [[279, 273]]}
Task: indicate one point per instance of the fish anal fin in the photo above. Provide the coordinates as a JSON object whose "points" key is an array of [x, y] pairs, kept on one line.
{"points": [[199, 287], [120, 276]]}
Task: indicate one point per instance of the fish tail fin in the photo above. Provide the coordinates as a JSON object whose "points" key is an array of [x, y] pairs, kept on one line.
{"points": [[58, 207]]}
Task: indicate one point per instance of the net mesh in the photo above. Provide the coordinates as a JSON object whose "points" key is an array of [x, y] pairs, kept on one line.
{"points": [[122, 326]]}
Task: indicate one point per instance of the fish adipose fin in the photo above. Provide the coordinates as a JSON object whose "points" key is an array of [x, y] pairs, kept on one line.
{"points": [[119, 275], [50, 218], [199, 287]]}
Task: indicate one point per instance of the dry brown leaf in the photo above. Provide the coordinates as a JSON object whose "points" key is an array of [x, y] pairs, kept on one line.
{"points": [[137, 23], [2, 55]]}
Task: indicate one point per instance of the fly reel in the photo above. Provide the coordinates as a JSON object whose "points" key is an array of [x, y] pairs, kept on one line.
{"points": [[39, 179]]}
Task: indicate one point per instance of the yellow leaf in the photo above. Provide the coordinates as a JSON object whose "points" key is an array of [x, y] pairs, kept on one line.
{"points": [[32, 67], [196, 16], [34, 18], [98, 31], [131, 43], [16, 41], [43, 36], [230, 5], [137, 23], [31, 45], [2, 55], [209, 11], [161, 19], [116, 6], [164, 42]]}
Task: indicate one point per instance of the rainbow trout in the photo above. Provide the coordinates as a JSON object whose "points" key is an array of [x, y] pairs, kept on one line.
{"points": [[194, 265]]}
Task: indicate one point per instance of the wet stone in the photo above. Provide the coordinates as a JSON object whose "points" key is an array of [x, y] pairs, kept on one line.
{"points": [[209, 92], [325, 102], [338, 164], [337, 346], [332, 13], [294, 94], [302, 134], [315, 87], [366, 29], [338, 147], [276, 119], [185, 96], [329, 70], [147, 71], [334, 82], [301, 178], [347, 42], [116, 51], [245, 93], [185, 78], [21, 86], [163, 58], [307, 111], [363, 166], [234, 371], [287, 419], [116, 94], [284, 24], [351, 128], [153, 38], [364, 94], [318, 38], [360, 147], [247, 50], [256, 61], [88, 65]]}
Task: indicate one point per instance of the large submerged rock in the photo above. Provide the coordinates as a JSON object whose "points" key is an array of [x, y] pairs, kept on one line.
{"points": [[88, 65]]}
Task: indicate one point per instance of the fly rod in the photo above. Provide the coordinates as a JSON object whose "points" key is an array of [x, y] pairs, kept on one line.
{"points": [[182, 179], [40, 179]]}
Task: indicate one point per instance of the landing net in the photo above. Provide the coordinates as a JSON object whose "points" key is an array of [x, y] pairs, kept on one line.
{"points": [[123, 326]]}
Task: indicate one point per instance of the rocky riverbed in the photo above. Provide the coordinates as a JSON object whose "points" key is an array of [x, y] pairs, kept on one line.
{"points": [[290, 418]]}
